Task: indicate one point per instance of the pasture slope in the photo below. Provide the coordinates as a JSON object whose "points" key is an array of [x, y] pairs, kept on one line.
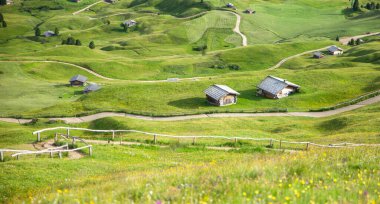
{"points": [[198, 43]]}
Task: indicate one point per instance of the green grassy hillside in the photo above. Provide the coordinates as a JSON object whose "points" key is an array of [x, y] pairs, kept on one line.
{"points": [[344, 77], [153, 170]]}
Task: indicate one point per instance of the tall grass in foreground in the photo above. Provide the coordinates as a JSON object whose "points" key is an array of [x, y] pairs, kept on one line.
{"points": [[317, 176]]}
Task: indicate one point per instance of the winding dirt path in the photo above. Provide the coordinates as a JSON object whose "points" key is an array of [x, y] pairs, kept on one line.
{"points": [[87, 7], [345, 40], [75, 120], [237, 29], [294, 56]]}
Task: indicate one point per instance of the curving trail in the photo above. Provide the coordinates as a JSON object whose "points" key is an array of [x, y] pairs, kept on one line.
{"points": [[87, 7], [74, 120], [237, 29], [65, 63], [345, 40], [294, 56]]}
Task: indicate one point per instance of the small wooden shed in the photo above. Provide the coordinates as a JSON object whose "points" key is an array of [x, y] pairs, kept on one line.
{"points": [[91, 88], [130, 23], [276, 88], [249, 11], [334, 50], [78, 80], [221, 95], [318, 55]]}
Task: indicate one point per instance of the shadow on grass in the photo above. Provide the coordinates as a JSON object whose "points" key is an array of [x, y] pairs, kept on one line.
{"points": [[251, 95], [190, 103]]}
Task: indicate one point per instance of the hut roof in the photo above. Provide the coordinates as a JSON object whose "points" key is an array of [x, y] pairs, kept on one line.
{"points": [[318, 54], [273, 84], [92, 87], [78, 78], [49, 33], [334, 48], [129, 23], [218, 91]]}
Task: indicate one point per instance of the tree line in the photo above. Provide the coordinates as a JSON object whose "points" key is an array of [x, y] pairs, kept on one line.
{"points": [[368, 6]]}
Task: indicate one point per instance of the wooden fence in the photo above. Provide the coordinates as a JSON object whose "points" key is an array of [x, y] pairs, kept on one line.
{"points": [[59, 150], [194, 138]]}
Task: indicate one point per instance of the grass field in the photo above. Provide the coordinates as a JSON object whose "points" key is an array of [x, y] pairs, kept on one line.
{"points": [[164, 46], [172, 174], [344, 78]]}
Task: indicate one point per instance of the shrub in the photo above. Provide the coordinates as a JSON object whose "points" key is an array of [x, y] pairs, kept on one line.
{"points": [[234, 67]]}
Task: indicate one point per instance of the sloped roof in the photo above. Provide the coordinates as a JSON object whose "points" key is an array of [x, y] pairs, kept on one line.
{"points": [[218, 91], [334, 48], [49, 33], [273, 84], [92, 87], [319, 54], [130, 23], [78, 78]]}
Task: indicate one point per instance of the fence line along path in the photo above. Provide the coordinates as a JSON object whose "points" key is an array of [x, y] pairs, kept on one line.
{"points": [[155, 137]]}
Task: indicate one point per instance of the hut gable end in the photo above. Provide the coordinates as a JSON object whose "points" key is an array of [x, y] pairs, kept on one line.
{"points": [[273, 87]]}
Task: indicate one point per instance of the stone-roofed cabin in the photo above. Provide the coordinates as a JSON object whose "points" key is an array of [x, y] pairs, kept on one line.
{"points": [[221, 95], [318, 55], [334, 50], [249, 11], [91, 87], [78, 80], [49, 33], [130, 23], [276, 88]]}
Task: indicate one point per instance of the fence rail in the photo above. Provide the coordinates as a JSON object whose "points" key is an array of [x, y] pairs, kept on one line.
{"points": [[194, 137], [51, 151]]}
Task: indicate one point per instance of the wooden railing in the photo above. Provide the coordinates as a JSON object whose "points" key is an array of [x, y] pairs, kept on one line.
{"points": [[235, 139], [51, 151]]}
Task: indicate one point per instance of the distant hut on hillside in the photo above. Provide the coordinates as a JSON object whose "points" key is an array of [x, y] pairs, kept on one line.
{"points": [[221, 95], [230, 5], [49, 33], [334, 50], [130, 23], [91, 88], [76, 1], [249, 11], [110, 1], [78, 80], [275, 88], [318, 55]]}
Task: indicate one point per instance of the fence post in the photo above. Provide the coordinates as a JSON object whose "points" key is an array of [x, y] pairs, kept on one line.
{"points": [[113, 134], [280, 143], [307, 146], [68, 131], [67, 146], [1, 156], [51, 154], [60, 154], [154, 138], [270, 143], [38, 137], [56, 137], [73, 140], [236, 140], [17, 157], [194, 138], [90, 150]]}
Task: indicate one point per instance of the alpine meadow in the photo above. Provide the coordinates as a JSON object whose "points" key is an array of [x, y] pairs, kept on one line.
{"points": [[190, 101]]}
